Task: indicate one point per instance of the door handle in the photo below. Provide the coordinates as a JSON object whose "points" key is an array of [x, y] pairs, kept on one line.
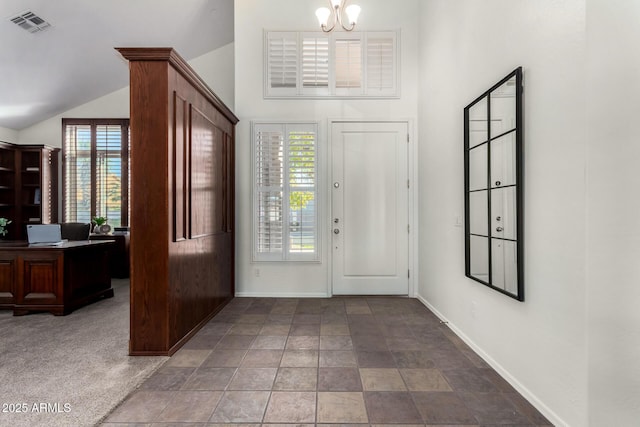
{"points": [[336, 220], [336, 231], [499, 229]]}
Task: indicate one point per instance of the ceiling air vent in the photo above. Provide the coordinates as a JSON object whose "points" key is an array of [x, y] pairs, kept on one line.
{"points": [[30, 22]]}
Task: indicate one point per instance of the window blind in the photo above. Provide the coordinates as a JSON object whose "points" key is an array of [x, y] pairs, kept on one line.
{"points": [[77, 179], [381, 63], [348, 63], [109, 172], [96, 164]]}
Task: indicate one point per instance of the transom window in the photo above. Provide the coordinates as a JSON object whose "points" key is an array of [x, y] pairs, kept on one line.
{"points": [[335, 65], [285, 208]]}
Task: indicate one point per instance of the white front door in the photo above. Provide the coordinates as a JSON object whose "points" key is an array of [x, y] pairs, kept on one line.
{"points": [[370, 198]]}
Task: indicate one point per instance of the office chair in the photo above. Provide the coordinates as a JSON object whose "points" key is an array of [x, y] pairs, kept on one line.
{"points": [[75, 230]]}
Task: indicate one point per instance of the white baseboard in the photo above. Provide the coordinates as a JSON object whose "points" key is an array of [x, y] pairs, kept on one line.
{"points": [[281, 295], [532, 398]]}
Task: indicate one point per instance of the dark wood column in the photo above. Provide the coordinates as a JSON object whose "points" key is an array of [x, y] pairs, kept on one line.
{"points": [[182, 198]]}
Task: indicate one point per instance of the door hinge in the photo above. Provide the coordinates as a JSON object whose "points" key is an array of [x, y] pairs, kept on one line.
{"points": [[408, 229], [407, 137], [408, 274], [408, 184]]}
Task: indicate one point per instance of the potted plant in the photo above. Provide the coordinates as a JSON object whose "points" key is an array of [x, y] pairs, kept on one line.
{"points": [[4, 222], [101, 226]]}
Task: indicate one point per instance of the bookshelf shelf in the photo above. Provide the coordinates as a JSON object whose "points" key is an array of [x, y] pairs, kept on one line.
{"points": [[29, 173]]}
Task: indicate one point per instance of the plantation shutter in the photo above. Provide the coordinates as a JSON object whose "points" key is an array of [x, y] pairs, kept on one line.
{"points": [[282, 63], [315, 65], [269, 157], [285, 192], [381, 64], [336, 65], [77, 180], [302, 189], [348, 66]]}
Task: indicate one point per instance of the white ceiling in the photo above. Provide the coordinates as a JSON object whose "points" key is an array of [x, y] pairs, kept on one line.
{"points": [[74, 61]]}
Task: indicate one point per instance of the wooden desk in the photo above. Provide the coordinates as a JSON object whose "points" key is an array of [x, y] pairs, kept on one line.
{"points": [[58, 279], [118, 254]]}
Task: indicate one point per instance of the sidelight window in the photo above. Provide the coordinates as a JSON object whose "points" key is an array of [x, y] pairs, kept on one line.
{"points": [[285, 205]]}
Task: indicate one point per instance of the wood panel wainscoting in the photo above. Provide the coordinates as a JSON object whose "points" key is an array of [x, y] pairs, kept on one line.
{"points": [[182, 201]]}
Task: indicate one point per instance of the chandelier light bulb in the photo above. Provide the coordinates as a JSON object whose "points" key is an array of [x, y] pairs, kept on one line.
{"points": [[323, 16], [353, 11]]}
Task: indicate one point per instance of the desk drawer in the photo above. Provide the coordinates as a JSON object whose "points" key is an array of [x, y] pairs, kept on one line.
{"points": [[42, 279], [8, 274]]}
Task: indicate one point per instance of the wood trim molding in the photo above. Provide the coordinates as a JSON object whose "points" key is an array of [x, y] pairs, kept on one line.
{"points": [[168, 54]]}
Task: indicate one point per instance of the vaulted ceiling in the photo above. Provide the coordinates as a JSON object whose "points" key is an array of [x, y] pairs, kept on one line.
{"points": [[73, 61]]}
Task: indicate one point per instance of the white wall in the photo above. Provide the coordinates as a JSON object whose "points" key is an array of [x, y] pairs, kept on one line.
{"points": [[8, 135], [252, 17], [466, 47], [215, 68], [613, 208], [113, 105]]}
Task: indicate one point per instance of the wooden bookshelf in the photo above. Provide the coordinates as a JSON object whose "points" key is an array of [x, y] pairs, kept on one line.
{"points": [[29, 189], [7, 186]]}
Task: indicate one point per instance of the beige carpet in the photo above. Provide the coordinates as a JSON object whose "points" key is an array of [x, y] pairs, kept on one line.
{"points": [[69, 370]]}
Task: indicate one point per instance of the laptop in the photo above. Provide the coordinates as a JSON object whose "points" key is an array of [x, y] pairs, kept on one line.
{"points": [[44, 234]]}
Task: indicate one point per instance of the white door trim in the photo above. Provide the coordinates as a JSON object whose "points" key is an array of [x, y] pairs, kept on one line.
{"points": [[412, 164]]}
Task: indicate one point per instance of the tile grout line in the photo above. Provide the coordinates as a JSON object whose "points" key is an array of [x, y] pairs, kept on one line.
{"points": [[378, 315]]}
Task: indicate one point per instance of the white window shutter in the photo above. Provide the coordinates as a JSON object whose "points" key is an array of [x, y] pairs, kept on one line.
{"points": [[270, 233], [269, 170], [285, 192], [315, 64], [302, 189], [336, 65], [282, 63], [381, 64], [348, 65]]}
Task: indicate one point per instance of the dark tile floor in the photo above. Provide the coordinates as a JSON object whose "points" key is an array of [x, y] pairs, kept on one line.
{"points": [[342, 361]]}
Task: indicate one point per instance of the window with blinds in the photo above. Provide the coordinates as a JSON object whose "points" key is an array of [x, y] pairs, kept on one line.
{"points": [[381, 70], [335, 65], [315, 65], [285, 191], [348, 66], [96, 170], [282, 62]]}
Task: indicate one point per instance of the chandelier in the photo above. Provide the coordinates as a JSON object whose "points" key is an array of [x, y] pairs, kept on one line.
{"points": [[323, 14]]}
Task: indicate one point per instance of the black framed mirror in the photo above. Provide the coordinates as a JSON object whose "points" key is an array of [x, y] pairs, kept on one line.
{"points": [[493, 169]]}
